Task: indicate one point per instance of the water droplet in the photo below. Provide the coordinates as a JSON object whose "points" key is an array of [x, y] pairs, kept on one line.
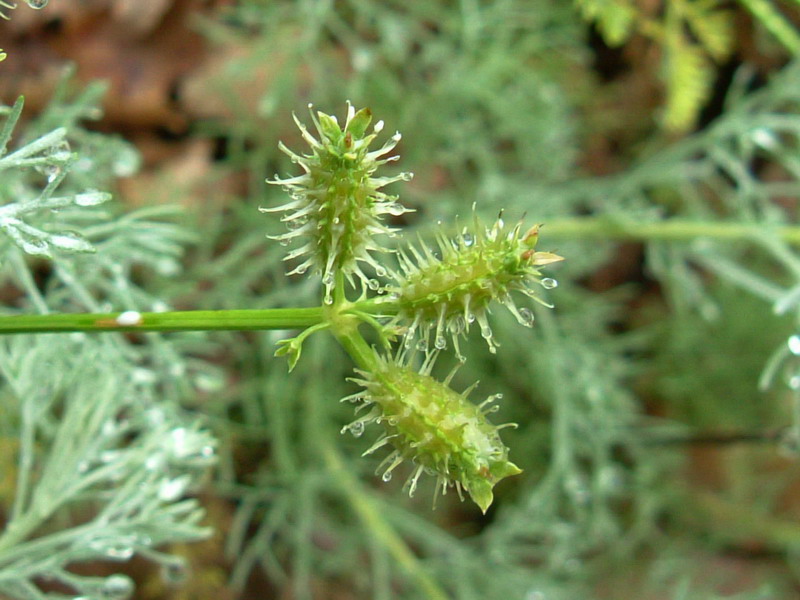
{"points": [[110, 428], [440, 343], [70, 242], [37, 248], [794, 382], [328, 298], [180, 440], [470, 318], [468, 239], [380, 271], [527, 317], [301, 269], [387, 476], [422, 345], [794, 345], [159, 306], [37, 4], [766, 138], [119, 552], [327, 279], [549, 283], [373, 284], [83, 466], [486, 332], [177, 370], [172, 489], [456, 325], [175, 571], [356, 428], [116, 587], [209, 382], [129, 318], [92, 198], [154, 462], [108, 456], [396, 209], [126, 163]]}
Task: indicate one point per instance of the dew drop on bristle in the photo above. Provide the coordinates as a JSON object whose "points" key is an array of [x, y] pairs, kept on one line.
{"points": [[422, 345], [380, 271], [387, 476], [356, 428], [468, 239], [37, 4], [549, 283], [527, 317], [457, 325], [373, 284], [440, 343]]}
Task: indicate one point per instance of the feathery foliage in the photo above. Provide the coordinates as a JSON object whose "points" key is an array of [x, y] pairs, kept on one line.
{"points": [[675, 325]]}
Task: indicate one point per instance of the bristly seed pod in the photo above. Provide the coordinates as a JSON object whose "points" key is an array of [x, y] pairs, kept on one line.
{"points": [[336, 207], [437, 429], [447, 294]]}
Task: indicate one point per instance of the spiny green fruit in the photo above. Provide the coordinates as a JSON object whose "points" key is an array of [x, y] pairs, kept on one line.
{"points": [[336, 207], [439, 430], [447, 294]]}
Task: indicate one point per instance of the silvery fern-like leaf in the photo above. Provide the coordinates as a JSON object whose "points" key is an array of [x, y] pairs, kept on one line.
{"points": [[106, 459], [34, 222]]}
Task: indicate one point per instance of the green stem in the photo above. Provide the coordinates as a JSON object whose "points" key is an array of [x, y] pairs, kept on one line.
{"points": [[191, 320], [587, 228], [358, 349], [669, 230]]}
